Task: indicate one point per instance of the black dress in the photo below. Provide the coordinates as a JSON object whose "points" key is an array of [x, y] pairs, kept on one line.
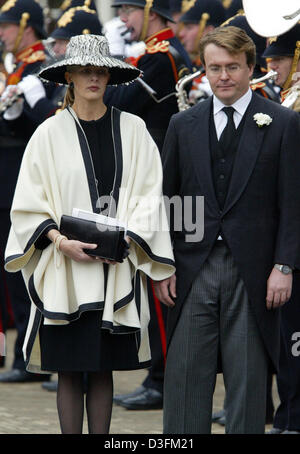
{"points": [[82, 345]]}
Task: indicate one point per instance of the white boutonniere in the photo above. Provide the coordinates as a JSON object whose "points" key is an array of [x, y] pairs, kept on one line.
{"points": [[262, 119]]}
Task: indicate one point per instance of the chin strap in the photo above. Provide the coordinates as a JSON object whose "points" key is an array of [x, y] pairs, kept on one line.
{"points": [[148, 6], [294, 66], [23, 24], [202, 24]]}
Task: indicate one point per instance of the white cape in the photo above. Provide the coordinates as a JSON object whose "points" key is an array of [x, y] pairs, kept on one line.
{"points": [[56, 175]]}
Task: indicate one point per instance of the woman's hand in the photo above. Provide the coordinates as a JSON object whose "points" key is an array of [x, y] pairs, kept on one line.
{"points": [[75, 250]]}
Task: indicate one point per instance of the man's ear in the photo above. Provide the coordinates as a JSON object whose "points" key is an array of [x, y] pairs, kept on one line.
{"points": [[251, 68]]}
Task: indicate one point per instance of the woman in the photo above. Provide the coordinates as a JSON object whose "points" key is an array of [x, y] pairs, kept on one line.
{"points": [[89, 316]]}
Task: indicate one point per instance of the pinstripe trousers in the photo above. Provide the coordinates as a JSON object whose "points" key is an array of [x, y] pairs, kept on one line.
{"points": [[216, 319]]}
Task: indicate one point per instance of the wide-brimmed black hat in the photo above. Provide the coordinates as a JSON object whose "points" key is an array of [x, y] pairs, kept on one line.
{"points": [[160, 7], [14, 11], [93, 50], [77, 21], [212, 9]]}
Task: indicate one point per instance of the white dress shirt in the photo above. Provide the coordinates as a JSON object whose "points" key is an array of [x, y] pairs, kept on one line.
{"points": [[220, 116]]}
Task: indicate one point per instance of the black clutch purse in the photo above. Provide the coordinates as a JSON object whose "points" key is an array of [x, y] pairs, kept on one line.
{"points": [[110, 239]]}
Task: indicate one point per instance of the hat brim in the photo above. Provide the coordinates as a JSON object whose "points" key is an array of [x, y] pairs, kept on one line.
{"points": [[161, 11], [120, 72]]}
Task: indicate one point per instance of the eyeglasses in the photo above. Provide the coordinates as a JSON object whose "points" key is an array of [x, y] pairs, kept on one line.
{"points": [[126, 10], [218, 70]]}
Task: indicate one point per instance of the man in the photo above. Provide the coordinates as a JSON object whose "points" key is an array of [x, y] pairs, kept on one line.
{"points": [[177, 9], [162, 62], [21, 30], [283, 56], [228, 287], [198, 20]]}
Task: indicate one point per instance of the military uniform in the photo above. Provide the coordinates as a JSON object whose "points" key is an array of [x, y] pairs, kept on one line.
{"points": [[162, 63], [203, 13]]}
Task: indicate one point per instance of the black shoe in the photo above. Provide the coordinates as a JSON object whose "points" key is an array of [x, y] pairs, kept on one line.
{"points": [[146, 399], [120, 397], [50, 385], [21, 376]]}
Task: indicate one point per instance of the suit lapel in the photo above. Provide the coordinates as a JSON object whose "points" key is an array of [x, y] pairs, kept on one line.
{"points": [[247, 153], [200, 151]]}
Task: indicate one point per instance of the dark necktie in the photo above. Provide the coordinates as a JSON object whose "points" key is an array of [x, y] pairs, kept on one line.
{"points": [[229, 130]]}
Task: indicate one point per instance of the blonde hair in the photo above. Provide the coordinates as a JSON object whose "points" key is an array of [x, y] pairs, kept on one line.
{"points": [[69, 97], [233, 39]]}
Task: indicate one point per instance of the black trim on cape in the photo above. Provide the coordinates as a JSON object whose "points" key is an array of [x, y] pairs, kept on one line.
{"points": [[45, 225], [142, 243]]}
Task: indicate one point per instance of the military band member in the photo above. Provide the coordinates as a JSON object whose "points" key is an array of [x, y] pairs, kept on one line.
{"points": [[283, 55], [198, 20], [77, 20]]}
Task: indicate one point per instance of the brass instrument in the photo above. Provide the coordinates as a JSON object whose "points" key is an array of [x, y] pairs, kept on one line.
{"points": [[182, 96], [271, 75]]}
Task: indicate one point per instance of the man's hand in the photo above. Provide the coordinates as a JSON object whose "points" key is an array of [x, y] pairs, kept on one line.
{"points": [[166, 290], [279, 289]]}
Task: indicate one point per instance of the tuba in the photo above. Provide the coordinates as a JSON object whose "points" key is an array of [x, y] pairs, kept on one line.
{"points": [[281, 16]]}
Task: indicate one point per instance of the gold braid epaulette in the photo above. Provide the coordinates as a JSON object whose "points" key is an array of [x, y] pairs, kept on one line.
{"points": [[39, 55], [153, 47], [258, 85]]}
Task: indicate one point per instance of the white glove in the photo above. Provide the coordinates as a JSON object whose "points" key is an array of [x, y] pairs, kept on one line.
{"points": [[15, 110], [135, 49], [33, 89], [9, 95], [113, 31]]}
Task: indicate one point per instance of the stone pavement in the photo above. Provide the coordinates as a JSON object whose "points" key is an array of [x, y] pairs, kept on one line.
{"points": [[28, 409]]}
